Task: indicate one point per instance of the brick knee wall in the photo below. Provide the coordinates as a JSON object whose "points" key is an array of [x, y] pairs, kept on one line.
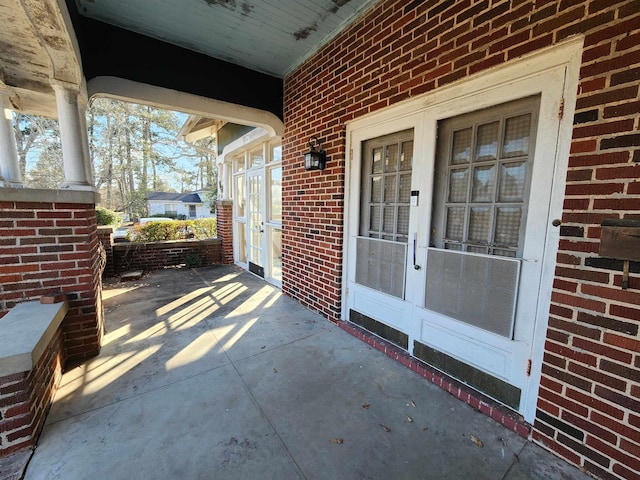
{"points": [[50, 245], [104, 236], [589, 401], [156, 255], [25, 399]]}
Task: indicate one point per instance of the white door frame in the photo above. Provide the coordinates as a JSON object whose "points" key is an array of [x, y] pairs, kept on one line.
{"points": [[559, 65]]}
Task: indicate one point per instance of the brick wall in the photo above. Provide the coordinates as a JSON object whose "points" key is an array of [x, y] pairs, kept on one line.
{"points": [[25, 399], [224, 214], [48, 244], [589, 406], [129, 256], [105, 238]]}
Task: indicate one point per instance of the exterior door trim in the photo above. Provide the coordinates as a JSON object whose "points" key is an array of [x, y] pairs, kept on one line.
{"points": [[482, 91]]}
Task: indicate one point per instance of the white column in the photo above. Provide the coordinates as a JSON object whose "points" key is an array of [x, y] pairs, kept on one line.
{"points": [[88, 165], [9, 165], [226, 184], [73, 135]]}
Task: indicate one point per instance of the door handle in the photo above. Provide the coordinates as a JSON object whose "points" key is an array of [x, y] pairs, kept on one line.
{"points": [[415, 247]]}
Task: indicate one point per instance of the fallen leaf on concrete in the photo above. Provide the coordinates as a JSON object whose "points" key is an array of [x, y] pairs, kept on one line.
{"points": [[409, 419], [275, 371], [425, 429], [413, 404], [476, 440], [337, 440], [385, 428], [263, 347], [366, 406]]}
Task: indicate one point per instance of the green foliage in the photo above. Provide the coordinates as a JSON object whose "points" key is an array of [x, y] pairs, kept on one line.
{"points": [[205, 228], [108, 217], [200, 229], [192, 260], [155, 232]]}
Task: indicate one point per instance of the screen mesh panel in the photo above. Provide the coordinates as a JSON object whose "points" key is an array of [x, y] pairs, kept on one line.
{"points": [[476, 289], [380, 264]]}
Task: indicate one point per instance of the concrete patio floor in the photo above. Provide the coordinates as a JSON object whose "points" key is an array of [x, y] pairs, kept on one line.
{"points": [[212, 373]]}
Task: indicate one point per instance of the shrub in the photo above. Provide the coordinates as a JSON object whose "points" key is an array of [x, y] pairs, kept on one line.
{"points": [[107, 217], [205, 228], [192, 260], [174, 230], [155, 232]]}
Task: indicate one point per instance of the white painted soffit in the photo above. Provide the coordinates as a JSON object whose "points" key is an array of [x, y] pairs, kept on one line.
{"points": [[273, 37]]}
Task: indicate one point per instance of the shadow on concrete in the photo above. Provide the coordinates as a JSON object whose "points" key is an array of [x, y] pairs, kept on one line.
{"points": [[213, 373]]}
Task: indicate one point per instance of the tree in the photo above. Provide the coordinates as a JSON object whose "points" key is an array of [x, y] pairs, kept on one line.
{"points": [[134, 149], [33, 133], [48, 171]]}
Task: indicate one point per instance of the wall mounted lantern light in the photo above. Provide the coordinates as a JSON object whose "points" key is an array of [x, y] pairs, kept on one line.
{"points": [[315, 158]]}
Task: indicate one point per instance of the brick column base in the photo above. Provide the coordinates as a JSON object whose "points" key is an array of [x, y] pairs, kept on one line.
{"points": [[225, 229]]}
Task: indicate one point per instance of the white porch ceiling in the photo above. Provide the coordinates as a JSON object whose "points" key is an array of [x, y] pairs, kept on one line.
{"points": [[270, 36]]}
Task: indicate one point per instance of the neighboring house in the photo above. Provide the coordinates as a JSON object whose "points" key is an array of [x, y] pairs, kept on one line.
{"points": [[190, 205], [479, 207]]}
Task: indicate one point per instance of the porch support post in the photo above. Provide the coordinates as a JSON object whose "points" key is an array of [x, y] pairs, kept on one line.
{"points": [[226, 184], [88, 165], [9, 165], [73, 136]]}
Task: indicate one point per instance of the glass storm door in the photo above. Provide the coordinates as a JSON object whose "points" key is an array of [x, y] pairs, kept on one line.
{"points": [[378, 267], [449, 246], [476, 315], [255, 222], [463, 301]]}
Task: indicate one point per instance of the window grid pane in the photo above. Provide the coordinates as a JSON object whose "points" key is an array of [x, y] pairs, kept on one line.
{"points": [[516, 136], [487, 142], [406, 156], [389, 191], [461, 151], [494, 192]]}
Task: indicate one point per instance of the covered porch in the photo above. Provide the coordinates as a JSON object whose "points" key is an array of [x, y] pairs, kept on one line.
{"points": [[213, 373]]}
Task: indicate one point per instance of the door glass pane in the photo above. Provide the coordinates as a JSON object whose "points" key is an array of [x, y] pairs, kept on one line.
{"points": [[391, 163], [238, 163], [276, 254], [512, 181], [240, 196], [376, 189], [458, 184], [406, 156], [256, 159], [508, 226], [374, 223], [461, 151], [405, 189], [376, 164], [484, 179], [403, 220], [276, 194], [390, 188], [276, 153], [479, 224], [487, 142], [242, 241], [389, 219], [516, 136], [455, 223]]}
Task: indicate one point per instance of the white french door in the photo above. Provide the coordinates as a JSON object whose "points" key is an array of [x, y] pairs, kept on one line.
{"points": [[451, 255], [255, 221]]}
